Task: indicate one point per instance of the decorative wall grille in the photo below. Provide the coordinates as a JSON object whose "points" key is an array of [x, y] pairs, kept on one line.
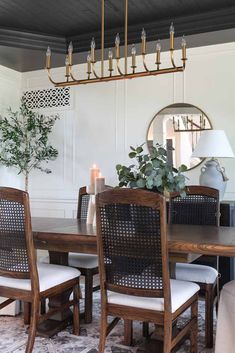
{"points": [[48, 98]]}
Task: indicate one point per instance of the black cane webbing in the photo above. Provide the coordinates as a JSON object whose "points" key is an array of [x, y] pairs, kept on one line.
{"points": [[84, 206], [131, 241], [13, 253], [193, 209]]}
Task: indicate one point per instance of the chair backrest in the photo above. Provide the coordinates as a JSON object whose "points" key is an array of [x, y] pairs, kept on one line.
{"points": [[199, 206], [132, 243], [17, 252], [83, 201]]}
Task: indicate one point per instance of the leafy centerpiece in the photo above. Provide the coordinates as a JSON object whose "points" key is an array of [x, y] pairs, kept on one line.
{"points": [[24, 141], [152, 171]]}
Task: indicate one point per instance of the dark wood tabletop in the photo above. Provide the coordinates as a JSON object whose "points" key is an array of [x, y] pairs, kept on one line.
{"points": [[61, 236], [66, 235]]}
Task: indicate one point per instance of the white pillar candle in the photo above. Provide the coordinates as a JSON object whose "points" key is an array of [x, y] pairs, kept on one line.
{"points": [[94, 173], [99, 184]]}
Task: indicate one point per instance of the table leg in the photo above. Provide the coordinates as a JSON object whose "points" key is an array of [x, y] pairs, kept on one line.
{"points": [[62, 319]]}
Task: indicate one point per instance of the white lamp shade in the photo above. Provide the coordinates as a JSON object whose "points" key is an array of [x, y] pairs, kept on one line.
{"points": [[213, 143]]}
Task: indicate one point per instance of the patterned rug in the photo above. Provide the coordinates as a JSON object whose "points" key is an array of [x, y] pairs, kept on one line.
{"points": [[13, 336]]}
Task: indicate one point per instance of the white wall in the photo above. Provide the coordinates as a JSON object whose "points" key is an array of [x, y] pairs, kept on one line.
{"points": [[10, 93], [106, 118]]}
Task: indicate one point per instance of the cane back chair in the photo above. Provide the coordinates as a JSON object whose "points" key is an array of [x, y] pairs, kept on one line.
{"points": [[87, 264], [133, 265], [199, 207], [20, 276]]}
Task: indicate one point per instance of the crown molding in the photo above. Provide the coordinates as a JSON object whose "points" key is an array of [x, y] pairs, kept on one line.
{"points": [[194, 24], [24, 51], [27, 40], [199, 23]]}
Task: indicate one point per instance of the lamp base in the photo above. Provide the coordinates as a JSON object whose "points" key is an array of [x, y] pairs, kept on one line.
{"points": [[212, 175]]}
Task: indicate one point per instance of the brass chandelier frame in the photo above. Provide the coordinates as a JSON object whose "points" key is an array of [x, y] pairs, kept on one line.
{"points": [[94, 77]]}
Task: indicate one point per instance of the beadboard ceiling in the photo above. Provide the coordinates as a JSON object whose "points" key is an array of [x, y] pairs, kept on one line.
{"points": [[27, 27]]}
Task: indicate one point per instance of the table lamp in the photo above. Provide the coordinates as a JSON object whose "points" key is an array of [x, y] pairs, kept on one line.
{"points": [[213, 144]]}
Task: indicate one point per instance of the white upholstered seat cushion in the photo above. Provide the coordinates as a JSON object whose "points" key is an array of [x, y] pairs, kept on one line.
{"points": [[181, 291], [195, 273], [78, 260], [49, 276]]}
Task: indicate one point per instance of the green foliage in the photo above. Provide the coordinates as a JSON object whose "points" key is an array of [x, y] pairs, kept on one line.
{"points": [[152, 171], [24, 140]]}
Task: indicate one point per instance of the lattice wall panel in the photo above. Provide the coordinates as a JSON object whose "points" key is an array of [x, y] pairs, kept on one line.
{"points": [[48, 98]]}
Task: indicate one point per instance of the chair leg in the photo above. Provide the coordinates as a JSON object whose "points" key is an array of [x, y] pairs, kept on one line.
{"points": [[167, 335], [27, 311], [88, 296], [145, 329], [76, 323], [194, 330], [209, 306], [128, 333], [103, 330], [33, 325]]}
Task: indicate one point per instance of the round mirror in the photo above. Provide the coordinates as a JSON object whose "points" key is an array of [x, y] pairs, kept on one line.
{"points": [[178, 127]]}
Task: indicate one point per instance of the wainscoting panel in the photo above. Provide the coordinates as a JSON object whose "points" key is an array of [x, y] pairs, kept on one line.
{"points": [[54, 208]]}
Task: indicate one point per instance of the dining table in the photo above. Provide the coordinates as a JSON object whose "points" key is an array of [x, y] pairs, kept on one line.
{"points": [[62, 235]]}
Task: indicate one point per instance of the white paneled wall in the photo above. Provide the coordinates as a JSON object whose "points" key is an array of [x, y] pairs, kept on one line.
{"points": [[106, 118], [10, 93]]}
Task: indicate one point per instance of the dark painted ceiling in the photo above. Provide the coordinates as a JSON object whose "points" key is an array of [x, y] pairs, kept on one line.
{"points": [[27, 27]]}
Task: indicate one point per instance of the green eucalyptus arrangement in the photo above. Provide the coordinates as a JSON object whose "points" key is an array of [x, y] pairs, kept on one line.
{"points": [[24, 141], [152, 171]]}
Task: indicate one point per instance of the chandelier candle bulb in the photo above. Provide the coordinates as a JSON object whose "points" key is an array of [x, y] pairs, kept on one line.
{"points": [[70, 53], [110, 61], [94, 173], [93, 50], [117, 46], [48, 58], [89, 63], [158, 49], [172, 31], [99, 184], [183, 45], [143, 43], [133, 56], [67, 74]]}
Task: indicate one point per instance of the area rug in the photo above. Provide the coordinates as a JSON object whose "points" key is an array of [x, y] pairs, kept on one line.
{"points": [[13, 336]]}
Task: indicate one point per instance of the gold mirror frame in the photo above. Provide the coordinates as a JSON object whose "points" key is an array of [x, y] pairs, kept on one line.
{"points": [[181, 105]]}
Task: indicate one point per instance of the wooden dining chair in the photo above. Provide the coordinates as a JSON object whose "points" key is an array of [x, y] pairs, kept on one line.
{"points": [[133, 264], [87, 264], [20, 276], [199, 207]]}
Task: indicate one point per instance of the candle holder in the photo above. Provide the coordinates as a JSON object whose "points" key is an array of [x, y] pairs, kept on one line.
{"points": [[97, 184], [91, 210]]}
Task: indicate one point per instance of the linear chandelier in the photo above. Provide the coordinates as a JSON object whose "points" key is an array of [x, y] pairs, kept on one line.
{"points": [[122, 73]]}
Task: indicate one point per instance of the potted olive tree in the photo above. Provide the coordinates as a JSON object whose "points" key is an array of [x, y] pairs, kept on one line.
{"points": [[152, 171], [24, 141]]}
